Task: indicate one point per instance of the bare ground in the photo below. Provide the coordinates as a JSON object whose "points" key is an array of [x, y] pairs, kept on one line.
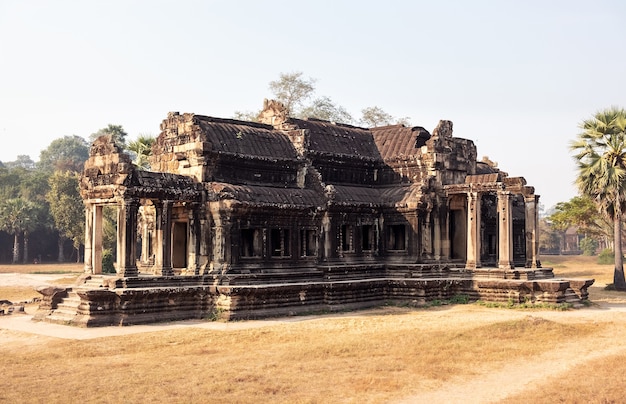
{"points": [[488, 383]]}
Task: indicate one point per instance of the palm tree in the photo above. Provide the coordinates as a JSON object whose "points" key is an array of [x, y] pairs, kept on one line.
{"points": [[142, 148], [600, 152], [16, 216]]}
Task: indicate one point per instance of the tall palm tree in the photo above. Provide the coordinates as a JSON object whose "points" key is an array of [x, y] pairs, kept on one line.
{"points": [[142, 148], [16, 216], [600, 152]]}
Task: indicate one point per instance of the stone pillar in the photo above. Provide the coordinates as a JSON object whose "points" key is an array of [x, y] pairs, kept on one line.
{"points": [[193, 264], [163, 253], [473, 230], [127, 238], [532, 228], [505, 231], [89, 238], [326, 237], [96, 240], [445, 235], [426, 241], [437, 234], [145, 238]]}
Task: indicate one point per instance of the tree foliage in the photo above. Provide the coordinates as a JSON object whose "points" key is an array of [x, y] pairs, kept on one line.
{"points": [[292, 89], [66, 207], [64, 154], [141, 149], [116, 131], [324, 108], [17, 216], [582, 212], [600, 153]]}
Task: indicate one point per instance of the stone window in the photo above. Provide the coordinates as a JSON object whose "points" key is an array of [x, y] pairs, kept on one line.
{"points": [[396, 237], [347, 238], [251, 243], [308, 243], [279, 243], [367, 237]]}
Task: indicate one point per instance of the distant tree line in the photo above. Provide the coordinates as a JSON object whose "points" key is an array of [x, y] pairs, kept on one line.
{"points": [[41, 211]]}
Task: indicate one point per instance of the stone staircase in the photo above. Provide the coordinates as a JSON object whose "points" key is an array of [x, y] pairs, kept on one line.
{"points": [[67, 309], [572, 297]]}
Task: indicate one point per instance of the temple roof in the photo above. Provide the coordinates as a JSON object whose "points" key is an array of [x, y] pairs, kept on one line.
{"points": [[338, 139], [398, 140], [245, 138], [264, 195]]}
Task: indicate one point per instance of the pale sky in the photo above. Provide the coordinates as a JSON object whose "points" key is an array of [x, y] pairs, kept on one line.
{"points": [[516, 77]]}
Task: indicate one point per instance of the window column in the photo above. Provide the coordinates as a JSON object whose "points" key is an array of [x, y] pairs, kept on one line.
{"points": [[127, 238], [473, 230], [532, 225], [163, 255], [505, 231], [89, 222]]}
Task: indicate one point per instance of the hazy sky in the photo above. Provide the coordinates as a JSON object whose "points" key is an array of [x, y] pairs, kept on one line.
{"points": [[516, 77]]}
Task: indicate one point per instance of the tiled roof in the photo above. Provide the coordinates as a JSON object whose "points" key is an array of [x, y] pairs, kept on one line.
{"points": [[338, 139], [246, 138], [398, 140], [391, 196], [263, 195]]}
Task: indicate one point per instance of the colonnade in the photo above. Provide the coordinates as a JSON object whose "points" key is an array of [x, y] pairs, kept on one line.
{"points": [[505, 229], [127, 223]]}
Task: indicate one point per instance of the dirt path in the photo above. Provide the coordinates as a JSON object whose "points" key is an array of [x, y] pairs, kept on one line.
{"points": [[493, 385], [489, 385]]}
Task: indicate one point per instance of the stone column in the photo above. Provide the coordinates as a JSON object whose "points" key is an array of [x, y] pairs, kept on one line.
{"points": [[437, 233], [88, 238], [505, 231], [426, 240], [127, 238], [532, 227], [96, 239], [193, 264], [145, 238], [326, 237], [445, 235], [163, 253], [473, 230]]}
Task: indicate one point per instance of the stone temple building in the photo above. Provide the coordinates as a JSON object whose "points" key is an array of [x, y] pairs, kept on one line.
{"points": [[288, 216]]}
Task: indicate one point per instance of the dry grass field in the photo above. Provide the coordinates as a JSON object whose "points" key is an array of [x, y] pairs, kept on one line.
{"points": [[443, 354]]}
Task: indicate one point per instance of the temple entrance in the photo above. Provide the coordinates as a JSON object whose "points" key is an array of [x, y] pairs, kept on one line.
{"points": [[457, 227], [179, 245], [489, 230]]}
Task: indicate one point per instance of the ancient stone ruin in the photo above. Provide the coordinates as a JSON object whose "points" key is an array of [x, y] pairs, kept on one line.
{"points": [[240, 220]]}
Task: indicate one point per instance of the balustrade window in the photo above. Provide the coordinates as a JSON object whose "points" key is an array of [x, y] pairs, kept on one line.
{"points": [[251, 243], [347, 238], [367, 237], [279, 243], [308, 243], [396, 237]]}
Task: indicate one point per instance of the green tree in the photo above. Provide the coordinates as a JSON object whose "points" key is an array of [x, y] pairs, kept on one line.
{"points": [[292, 89], [600, 153], [67, 209], [248, 116], [549, 238], [324, 108], [372, 117], [16, 217], [580, 211], [23, 161], [68, 153], [141, 149], [116, 131]]}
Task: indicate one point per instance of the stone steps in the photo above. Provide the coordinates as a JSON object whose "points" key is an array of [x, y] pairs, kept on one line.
{"points": [[572, 297], [66, 310]]}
